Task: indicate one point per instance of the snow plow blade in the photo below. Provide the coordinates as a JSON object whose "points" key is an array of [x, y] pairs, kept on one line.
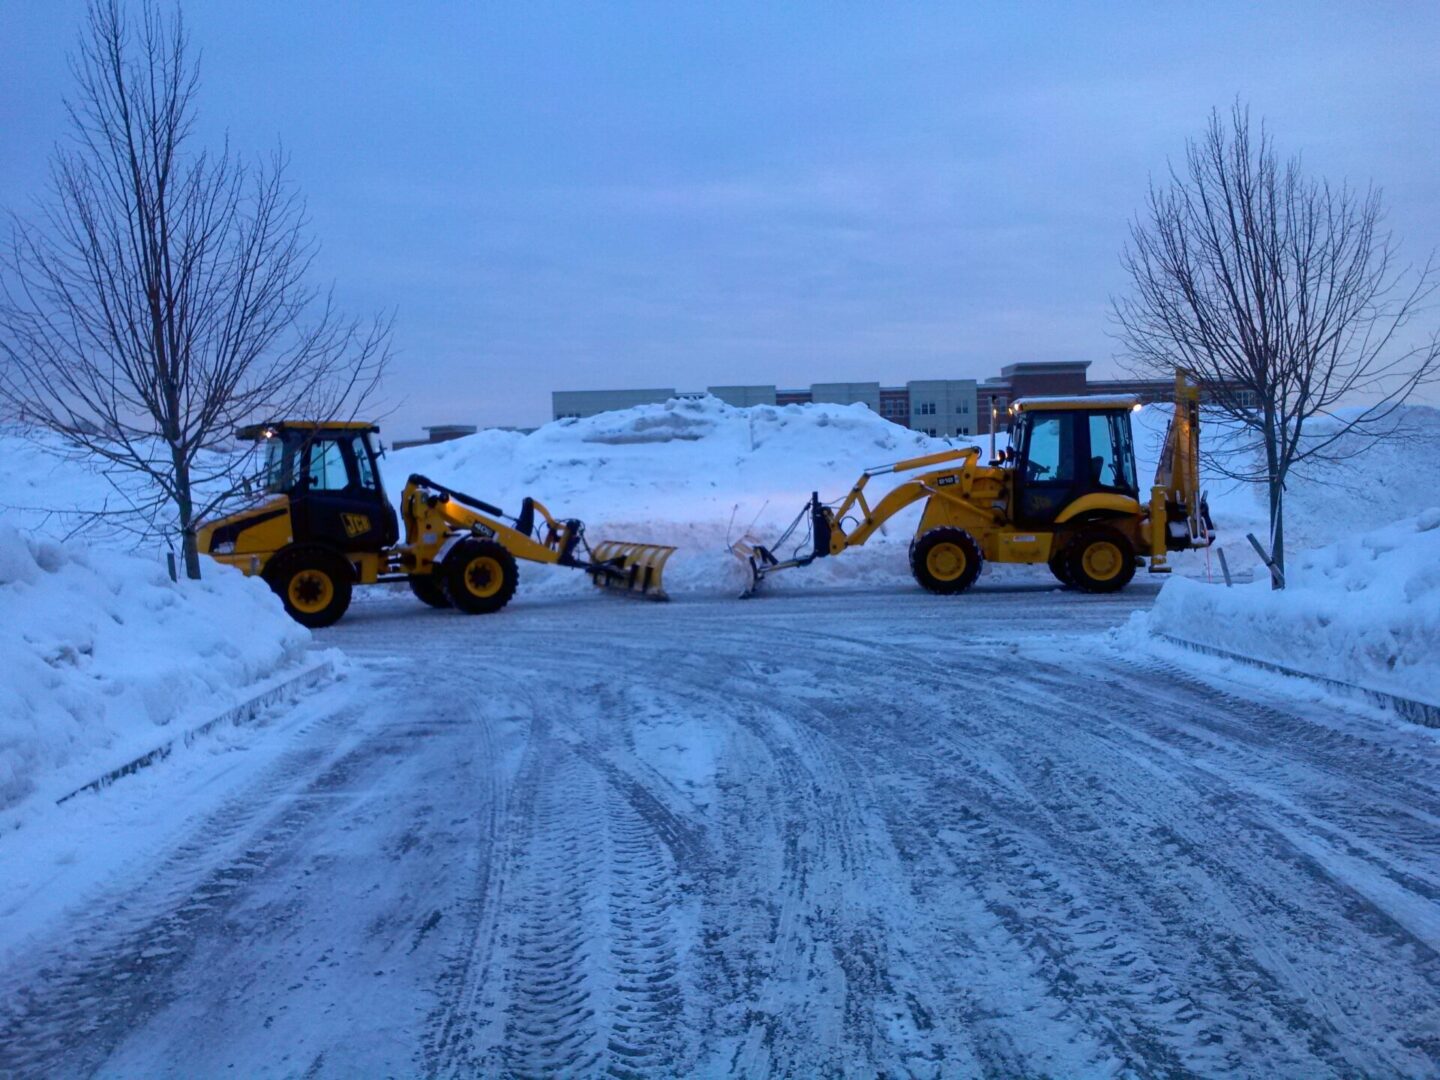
{"points": [[755, 558], [637, 569]]}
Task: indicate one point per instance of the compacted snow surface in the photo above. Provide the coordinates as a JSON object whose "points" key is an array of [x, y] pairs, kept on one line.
{"points": [[850, 830]]}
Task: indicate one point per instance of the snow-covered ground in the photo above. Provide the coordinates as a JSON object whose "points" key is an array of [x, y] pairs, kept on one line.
{"points": [[104, 657], [845, 831]]}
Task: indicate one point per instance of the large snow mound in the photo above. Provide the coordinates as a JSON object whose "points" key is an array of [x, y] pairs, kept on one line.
{"points": [[694, 473], [1365, 610], [102, 652]]}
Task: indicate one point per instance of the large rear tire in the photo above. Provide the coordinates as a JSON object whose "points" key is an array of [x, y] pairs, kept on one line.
{"points": [[1060, 567], [945, 560], [1101, 559], [480, 576], [313, 583], [429, 589]]}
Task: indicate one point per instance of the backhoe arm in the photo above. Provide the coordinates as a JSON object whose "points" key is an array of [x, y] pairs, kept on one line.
{"points": [[1178, 518]]}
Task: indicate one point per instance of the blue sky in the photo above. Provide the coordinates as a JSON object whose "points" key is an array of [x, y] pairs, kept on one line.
{"points": [[565, 196]]}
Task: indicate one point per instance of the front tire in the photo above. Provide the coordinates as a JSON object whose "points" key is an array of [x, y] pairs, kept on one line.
{"points": [[480, 576], [945, 560], [429, 589], [1101, 560], [313, 583]]}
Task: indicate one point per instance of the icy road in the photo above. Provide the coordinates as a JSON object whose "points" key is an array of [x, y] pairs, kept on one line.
{"points": [[815, 833]]}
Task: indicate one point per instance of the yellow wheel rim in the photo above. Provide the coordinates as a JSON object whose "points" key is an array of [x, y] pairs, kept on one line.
{"points": [[946, 562], [1102, 561], [311, 591], [484, 576]]}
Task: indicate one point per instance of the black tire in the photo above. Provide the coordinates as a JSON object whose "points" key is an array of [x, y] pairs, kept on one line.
{"points": [[1100, 559], [313, 583], [429, 589], [480, 576], [945, 560], [1060, 567]]}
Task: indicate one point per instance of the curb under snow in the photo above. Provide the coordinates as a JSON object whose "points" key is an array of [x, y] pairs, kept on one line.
{"points": [[276, 689], [1411, 709]]}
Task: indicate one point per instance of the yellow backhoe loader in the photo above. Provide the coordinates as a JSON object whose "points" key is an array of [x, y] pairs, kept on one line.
{"points": [[326, 525], [1064, 493]]}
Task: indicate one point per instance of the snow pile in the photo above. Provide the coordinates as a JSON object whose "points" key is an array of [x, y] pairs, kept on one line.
{"points": [[101, 651], [694, 473], [1365, 611]]}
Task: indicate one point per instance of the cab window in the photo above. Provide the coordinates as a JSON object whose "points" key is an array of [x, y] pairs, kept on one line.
{"points": [[363, 464], [1112, 461], [327, 466], [279, 466], [1049, 453]]}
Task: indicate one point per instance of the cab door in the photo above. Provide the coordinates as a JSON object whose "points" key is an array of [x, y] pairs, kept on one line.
{"points": [[338, 499], [1046, 479]]}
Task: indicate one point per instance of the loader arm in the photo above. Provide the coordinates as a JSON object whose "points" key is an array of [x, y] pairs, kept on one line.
{"points": [[433, 512], [897, 498], [435, 515], [827, 523]]}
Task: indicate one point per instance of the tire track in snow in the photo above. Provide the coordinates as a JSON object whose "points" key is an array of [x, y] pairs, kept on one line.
{"points": [[114, 970], [1072, 901]]}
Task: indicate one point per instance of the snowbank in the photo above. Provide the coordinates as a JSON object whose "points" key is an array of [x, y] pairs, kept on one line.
{"points": [[1360, 486], [693, 473], [101, 651], [1365, 611]]}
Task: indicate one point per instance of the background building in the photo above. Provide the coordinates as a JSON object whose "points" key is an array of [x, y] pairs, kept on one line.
{"points": [[947, 408], [437, 433], [744, 396], [577, 403], [941, 407]]}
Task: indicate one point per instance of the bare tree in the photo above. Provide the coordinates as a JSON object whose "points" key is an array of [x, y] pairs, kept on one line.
{"points": [[1285, 298], [159, 298]]}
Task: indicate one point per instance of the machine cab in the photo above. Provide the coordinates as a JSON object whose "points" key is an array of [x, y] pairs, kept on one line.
{"points": [[332, 478], [1067, 448]]}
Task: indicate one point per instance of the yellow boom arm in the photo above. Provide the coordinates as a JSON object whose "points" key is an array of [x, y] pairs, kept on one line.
{"points": [[434, 514]]}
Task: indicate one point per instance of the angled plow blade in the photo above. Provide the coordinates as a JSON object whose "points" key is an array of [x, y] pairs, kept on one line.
{"points": [[638, 569], [753, 557]]}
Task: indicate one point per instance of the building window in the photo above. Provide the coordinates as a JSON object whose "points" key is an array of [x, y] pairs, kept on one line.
{"points": [[963, 409], [927, 409]]}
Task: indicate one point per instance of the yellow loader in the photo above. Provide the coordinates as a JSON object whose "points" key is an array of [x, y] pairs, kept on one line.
{"points": [[326, 525], [1064, 493]]}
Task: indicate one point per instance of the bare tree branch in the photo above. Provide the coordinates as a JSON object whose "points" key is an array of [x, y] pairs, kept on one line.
{"points": [[159, 300]]}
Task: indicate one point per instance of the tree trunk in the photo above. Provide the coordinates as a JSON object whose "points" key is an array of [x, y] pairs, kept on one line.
{"points": [[1275, 488], [1277, 530], [185, 509]]}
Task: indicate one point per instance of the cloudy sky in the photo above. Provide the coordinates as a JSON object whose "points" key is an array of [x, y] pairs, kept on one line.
{"points": [[576, 196]]}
